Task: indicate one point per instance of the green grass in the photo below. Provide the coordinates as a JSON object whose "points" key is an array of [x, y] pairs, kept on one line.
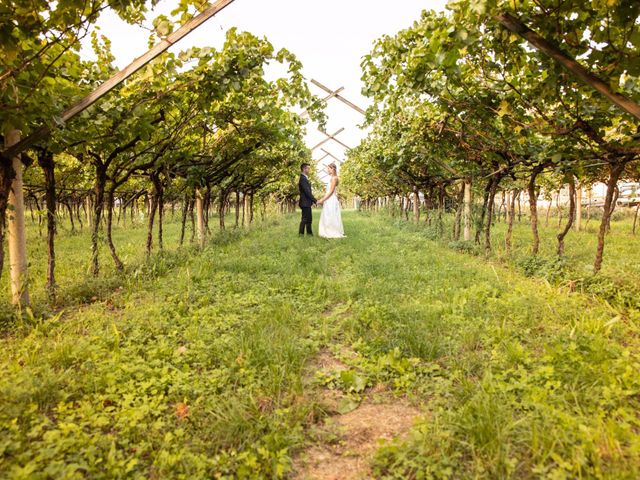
{"points": [[621, 257], [618, 282], [73, 257], [194, 369]]}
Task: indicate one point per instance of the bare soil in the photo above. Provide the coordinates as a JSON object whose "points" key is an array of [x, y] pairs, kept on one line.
{"points": [[344, 445]]}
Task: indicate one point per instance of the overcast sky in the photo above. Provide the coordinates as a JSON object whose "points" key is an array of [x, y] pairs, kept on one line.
{"points": [[329, 37]]}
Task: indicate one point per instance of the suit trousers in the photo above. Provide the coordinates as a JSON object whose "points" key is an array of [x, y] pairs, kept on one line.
{"points": [[305, 222]]}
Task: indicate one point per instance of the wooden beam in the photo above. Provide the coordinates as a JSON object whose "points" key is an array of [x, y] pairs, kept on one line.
{"points": [[324, 175], [329, 137], [44, 131], [321, 143], [15, 233], [322, 158], [332, 156], [331, 95], [341, 143], [339, 97], [516, 26], [333, 137]]}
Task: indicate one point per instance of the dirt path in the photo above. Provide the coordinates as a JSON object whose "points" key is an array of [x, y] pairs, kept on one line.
{"points": [[343, 445]]}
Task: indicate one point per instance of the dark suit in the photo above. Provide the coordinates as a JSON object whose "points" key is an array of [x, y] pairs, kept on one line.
{"points": [[306, 201]]}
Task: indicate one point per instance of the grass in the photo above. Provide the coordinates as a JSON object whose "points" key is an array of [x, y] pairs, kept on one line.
{"points": [[621, 257], [73, 256], [195, 367], [617, 283]]}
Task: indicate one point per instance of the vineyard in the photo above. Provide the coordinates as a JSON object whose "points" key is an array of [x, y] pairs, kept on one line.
{"points": [[161, 318]]}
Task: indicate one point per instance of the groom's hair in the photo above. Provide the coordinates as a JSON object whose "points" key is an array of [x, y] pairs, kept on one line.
{"points": [[304, 165]]}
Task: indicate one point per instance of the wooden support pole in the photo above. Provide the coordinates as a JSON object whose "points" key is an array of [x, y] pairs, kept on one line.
{"points": [[333, 137], [246, 214], [516, 26], [16, 230], [467, 210], [322, 158], [44, 131], [578, 221], [89, 209], [202, 231]]}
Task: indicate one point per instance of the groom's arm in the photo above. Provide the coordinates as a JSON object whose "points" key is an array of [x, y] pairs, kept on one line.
{"points": [[306, 186]]}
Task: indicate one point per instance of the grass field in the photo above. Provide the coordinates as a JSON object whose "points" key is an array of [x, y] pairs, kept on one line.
{"points": [[246, 359]]}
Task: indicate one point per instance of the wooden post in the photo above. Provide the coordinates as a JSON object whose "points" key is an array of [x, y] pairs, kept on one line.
{"points": [[88, 209], [202, 231], [340, 161], [250, 208], [578, 221], [328, 97], [16, 232], [589, 200], [416, 205], [245, 208], [467, 210], [237, 208]]}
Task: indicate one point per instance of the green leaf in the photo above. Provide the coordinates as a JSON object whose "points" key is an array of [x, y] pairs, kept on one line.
{"points": [[347, 404], [504, 108]]}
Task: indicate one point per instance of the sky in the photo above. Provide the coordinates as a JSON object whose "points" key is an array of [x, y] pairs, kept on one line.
{"points": [[329, 37]]}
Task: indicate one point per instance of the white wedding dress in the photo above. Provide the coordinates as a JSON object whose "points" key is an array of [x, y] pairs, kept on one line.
{"points": [[331, 218]]}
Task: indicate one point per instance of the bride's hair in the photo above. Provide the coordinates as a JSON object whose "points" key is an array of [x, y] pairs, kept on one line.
{"points": [[333, 167]]}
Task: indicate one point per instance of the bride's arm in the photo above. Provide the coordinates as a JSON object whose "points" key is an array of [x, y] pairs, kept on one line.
{"points": [[334, 181]]}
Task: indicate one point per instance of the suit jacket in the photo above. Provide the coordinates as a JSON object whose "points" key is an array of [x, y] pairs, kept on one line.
{"points": [[306, 197]]}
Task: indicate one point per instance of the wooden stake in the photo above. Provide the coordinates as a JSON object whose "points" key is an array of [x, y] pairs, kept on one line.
{"points": [[202, 231], [328, 97], [322, 158], [578, 221], [332, 156], [16, 231], [467, 210], [329, 137]]}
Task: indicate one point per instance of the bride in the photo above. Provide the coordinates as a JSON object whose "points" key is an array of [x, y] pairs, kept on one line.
{"points": [[330, 218]]}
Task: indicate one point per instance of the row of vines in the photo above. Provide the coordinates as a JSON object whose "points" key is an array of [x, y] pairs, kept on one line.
{"points": [[199, 131], [503, 99]]}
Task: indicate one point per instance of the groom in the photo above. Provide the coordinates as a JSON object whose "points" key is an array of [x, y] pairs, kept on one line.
{"points": [[306, 199]]}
